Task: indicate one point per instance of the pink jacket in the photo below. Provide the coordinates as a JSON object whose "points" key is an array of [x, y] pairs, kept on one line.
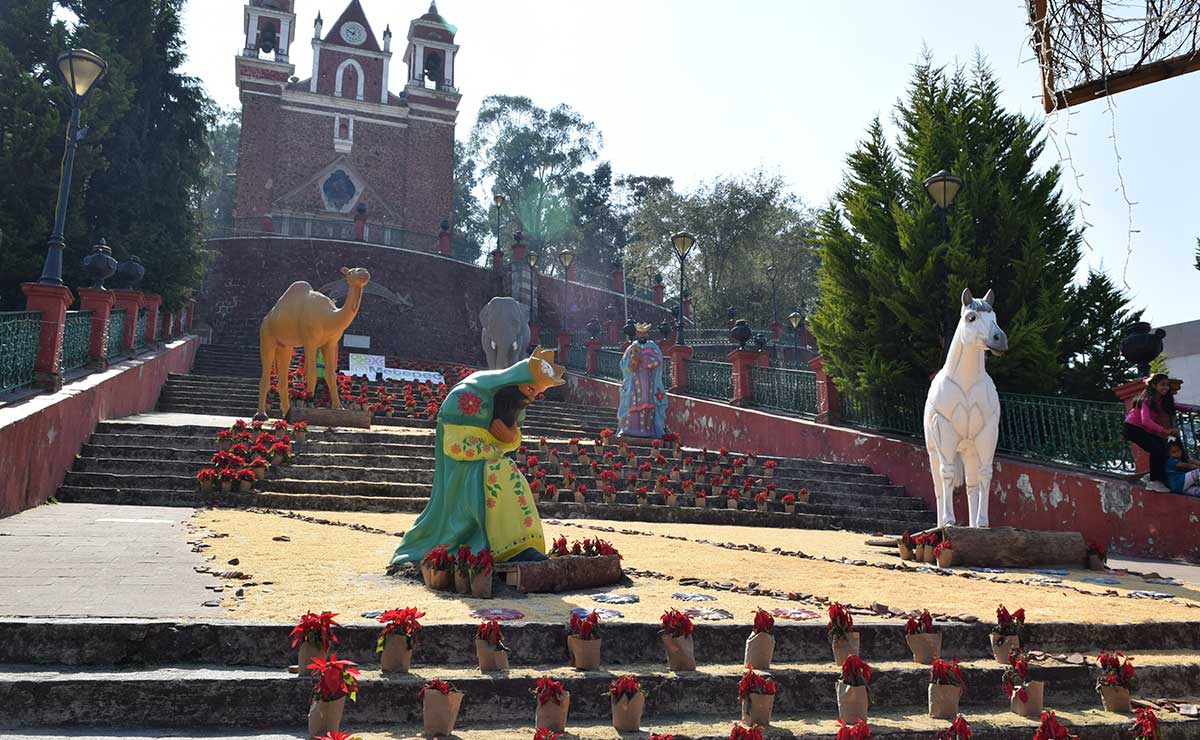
{"points": [[1148, 418]]}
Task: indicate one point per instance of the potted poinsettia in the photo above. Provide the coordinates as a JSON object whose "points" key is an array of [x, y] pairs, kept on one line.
{"points": [[733, 498], [299, 431], [490, 647], [573, 445], [281, 453], [958, 730], [1115, 682], [929, 554], [676, 474], [1006, 634], [943, 552], [627, 698], [437, 568], [723, 456], [479, 573], [314, 634], [739, 465], [676, 635], [670, 498], [395, 641], [246, 478], [769, 468], [260, 465], [761, 500], [206, 478], [1025, 696], [224, 439], [583, 641], [1051, 729], [844, 639], [553, 701], [757, 694], [907, 546], [672, 439], [789, 503], [1097, 557], [802, 496], [946, 686], [228, 477], [661, 484], [760, 645], [1145, 725], [569, 479], [742, 731], [543, 445], [462, 570], [716, 484], [642, 493], [701, 499], [335, 680], [440, 705], [857, 731], [852, 697], [923, 638]]}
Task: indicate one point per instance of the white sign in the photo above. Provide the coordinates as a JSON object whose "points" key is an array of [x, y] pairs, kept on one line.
{"points": [[358, 341], [368, 365], [396, 373]]}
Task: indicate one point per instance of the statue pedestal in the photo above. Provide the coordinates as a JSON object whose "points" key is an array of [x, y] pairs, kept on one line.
{"points": [[322, 417], [1009, 547], [562, 574]]}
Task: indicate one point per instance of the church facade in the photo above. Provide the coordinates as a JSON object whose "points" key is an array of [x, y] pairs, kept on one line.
{"points": [[339, 154]]}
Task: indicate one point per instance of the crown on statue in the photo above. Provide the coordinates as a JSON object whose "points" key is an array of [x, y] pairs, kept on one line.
{"points": [[545, 373], [643, 328]]}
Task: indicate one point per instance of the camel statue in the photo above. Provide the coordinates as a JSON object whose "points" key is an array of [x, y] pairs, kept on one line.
{"points": [[302, 317], [962, 413]]}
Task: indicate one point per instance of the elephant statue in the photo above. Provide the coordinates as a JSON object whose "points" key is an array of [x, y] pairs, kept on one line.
{"points": [[505, 332]]}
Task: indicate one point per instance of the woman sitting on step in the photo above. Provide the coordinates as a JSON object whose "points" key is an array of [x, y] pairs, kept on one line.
{"points": [[1147, 425]]}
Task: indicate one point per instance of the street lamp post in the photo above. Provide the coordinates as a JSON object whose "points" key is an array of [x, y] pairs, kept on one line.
{"points": [[566, 257], [943, 187], [682, 242], [774, 303], [533, 260], [499, 200], [796, 319], [80, 69]]}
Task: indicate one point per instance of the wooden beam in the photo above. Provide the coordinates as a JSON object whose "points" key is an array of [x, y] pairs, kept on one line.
{"points": [[1007, 547], [1041, 40], [1122, 81]]}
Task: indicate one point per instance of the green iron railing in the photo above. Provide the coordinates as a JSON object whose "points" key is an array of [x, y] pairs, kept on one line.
{"points": [[710, 379], [19, 334], [181, 324], [666, 366], [77, 334], [898, 411], [577, 359], [608, 364], [113, 343], [1189, 430], [1070, 431], [794, 391], [139, 333]]}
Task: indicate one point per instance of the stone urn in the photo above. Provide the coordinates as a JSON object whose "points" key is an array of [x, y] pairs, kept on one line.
{"points": [[99, 264], [130, 273], [1141, 346]]}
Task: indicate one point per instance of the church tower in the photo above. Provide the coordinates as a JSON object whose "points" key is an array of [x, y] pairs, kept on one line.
{"points": [[339, 155]]}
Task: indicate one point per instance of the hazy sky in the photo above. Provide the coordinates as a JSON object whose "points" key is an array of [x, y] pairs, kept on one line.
{"points": [[696, 88]]}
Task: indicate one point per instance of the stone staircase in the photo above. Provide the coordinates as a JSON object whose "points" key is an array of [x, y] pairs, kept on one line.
{"points": [[223, 678]]}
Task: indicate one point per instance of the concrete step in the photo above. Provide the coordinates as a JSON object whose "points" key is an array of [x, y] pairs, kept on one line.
{"points": [[185, 696]]}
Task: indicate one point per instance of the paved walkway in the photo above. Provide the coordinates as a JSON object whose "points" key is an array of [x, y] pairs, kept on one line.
{"points": [[93, 560]]}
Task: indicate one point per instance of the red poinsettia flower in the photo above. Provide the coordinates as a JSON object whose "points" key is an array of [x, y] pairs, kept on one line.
{"points": [[585, 628], [442, 687], [401, 621], [742, 732], [752, 683], [315, 627], [489, 632], [855, 671], [548, 690], [946, 673], [840, 622], [1052, 729], [858, 731], [334, 678], [676, 624], [1145, 726], [958, 730], [920, 625], [763, 622], [545, 733]]}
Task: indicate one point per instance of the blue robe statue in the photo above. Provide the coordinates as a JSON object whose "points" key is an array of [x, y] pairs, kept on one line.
{"points": [[643, 408]]}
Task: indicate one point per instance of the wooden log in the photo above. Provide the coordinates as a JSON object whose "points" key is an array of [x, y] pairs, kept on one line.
{"points": [[570, 573], [1006, 547]]}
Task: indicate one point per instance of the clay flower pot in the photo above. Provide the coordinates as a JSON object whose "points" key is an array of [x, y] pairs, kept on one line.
{"points": [[731, 503], [760, 505], [674, 476], [553, 714], [760, 649], [680, 653], [462, 582], [206, 486], [627, 713], [928, 556], [852, 702], [943, 700], [843, 649], [308, 651], [580, 498], [672, 500], [1032, 707], [945, 558], [789, 508], [906, 552], [396, 656], [919, 553], [1116, 699], [756, 709], [490, 659], [226, 486], [925, 647], [585, 654], [481, 585], [717, 491], [803, 497], [702, 502], [441, 712], [609, 498], [438, 580], [325, 717], [260, 471], [1002, 645], [1094, 562]]}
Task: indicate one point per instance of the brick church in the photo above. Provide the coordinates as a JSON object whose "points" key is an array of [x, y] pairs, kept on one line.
{"points": [[339, 154]]}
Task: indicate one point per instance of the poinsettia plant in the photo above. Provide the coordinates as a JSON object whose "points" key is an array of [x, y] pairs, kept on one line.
{"points": [[946, 673], [438, 685], [548, 690], [921, 625], [1145, 725], [401, 622], [763, 622], [545, 733], [482, 562], [840, 622], [770, 464], [788, 498], [752, 683], [438, 558], [489, 632], [958, 730], [1016, 676], [1009, 624], [742, 732], [585, 628], [857, 731], [625, 687], [1116, 670], [337, 735], [676, 624], [855, 671], [1051, 729], [334, 678], [907, 540], [943, 546], [315, 628]]}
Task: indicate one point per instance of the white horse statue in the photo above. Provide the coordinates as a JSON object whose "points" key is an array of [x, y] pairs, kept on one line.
{"points": [[962, 413]]}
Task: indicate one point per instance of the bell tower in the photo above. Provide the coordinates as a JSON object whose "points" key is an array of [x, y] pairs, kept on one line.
{"points": [[430, 55], [270, 27]]}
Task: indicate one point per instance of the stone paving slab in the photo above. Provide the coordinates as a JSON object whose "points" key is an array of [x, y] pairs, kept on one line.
{"points": [[93, 560]]}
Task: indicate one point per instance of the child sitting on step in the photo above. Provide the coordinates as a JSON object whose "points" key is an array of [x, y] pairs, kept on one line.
{"points": [[1182, 475]]}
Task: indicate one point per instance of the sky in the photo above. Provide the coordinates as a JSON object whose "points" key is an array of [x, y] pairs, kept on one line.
{"points": [[694, 89]]}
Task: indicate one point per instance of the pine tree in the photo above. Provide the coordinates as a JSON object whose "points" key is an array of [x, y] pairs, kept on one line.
{"points": [[1091, 347], [221, 170], [888, 279]]}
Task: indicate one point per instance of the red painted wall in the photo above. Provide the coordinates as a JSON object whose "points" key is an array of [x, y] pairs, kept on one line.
{"points": [[40, 438], [1106, 509]]}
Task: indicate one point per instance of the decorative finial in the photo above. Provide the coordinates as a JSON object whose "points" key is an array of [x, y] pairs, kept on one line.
{"points": [[432, 6]]}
